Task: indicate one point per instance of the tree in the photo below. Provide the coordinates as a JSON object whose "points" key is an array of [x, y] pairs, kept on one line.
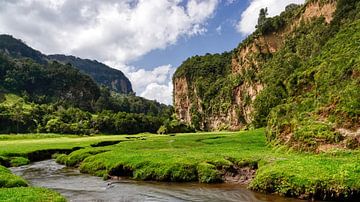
{"points": [[262, 17]]}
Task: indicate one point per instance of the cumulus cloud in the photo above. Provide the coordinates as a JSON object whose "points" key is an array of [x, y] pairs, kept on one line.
{"points": [[155, 84], [156, 91], [116, 31], [249, 17]]}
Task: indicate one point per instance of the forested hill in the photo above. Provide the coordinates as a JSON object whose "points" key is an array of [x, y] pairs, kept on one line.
{"points": [[114, 79], [57, 98], [298, 74], [39, 94]]}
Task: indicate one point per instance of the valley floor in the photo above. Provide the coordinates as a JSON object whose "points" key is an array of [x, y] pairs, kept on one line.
{"points": [[234, 157]]}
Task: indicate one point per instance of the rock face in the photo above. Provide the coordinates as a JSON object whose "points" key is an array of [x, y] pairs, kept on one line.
{"points": [[245, 65]]}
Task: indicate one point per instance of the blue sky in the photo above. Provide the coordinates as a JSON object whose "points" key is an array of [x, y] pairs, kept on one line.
{"points": [[146, 39]]}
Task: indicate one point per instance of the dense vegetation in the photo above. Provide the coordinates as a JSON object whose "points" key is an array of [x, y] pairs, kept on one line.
{"points": [[113, 79], [51, 82], [18, 116], [208, 76], [311, 84], [316, 78], [53, 97]]}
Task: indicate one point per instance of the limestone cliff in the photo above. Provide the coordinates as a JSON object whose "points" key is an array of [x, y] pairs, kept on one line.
{"points": [[230, 104]]}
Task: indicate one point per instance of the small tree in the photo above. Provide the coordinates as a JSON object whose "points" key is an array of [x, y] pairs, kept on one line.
{"points": [[262, 17]]}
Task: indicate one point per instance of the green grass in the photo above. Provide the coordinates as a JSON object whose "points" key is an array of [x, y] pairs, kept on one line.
{"points": [[205, 157], [32, 136], [32, 194], [13, 146], [7, 179]]}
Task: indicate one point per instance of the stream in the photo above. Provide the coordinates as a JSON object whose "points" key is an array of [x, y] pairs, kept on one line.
{"points": [[76, 186]]}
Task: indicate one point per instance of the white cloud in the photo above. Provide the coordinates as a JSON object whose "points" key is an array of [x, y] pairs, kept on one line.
{"points": [[219, 29], [249, 17], [153, 84], [116, 31], [155, 91]]}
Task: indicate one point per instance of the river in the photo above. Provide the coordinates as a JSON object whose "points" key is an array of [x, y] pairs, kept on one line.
{"points": [[76, 186]]}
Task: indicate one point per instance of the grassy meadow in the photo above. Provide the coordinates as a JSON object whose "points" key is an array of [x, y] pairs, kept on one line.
{"points": [[203, 157]]}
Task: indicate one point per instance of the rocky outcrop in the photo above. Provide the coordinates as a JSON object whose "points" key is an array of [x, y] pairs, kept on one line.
{"points": [[246, 63]]}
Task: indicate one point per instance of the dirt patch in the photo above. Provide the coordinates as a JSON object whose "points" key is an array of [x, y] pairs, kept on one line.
{"points": [[328, 147], [241, 174]]}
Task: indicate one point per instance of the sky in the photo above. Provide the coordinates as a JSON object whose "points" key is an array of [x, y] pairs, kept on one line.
{"points": [[145, 39]]}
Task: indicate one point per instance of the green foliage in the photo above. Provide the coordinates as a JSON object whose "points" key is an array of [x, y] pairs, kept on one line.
{"points": [[327, 95], [52, 82], [18, 49], [18, 116], [102, 74], [209, 76], [113, 79], [311, 83], [262, 16], [175, 126], [61, 97]]}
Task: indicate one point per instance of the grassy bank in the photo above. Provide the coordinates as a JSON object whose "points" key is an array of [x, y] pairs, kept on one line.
{"points": [[17, 150], [14, 188], [30, 194], [214, 157], [8, 180], [39, 147], [207, 158]]}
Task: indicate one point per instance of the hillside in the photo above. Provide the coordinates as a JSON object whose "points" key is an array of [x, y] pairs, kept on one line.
{"points": [[300, 67], [47, 83], [114, 79], [38, 96]]}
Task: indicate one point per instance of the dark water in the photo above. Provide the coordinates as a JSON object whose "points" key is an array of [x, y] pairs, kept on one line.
{"points": [[80, 187]]}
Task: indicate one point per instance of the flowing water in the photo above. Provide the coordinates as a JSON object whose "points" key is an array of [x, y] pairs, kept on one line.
{"points": [[80, 187]]}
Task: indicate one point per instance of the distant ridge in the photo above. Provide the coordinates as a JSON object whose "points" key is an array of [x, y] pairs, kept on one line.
{"points": [[104, 75]]}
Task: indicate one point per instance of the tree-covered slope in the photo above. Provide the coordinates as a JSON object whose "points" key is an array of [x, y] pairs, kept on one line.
{"points": [[47, 83], [324, 102], [18, 49], [49, 96], [114, 79], [301, 67]]}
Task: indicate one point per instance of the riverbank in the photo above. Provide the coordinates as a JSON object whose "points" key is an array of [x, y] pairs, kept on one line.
{"points": [[15, 188], [17, 150], [209, 158]]}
